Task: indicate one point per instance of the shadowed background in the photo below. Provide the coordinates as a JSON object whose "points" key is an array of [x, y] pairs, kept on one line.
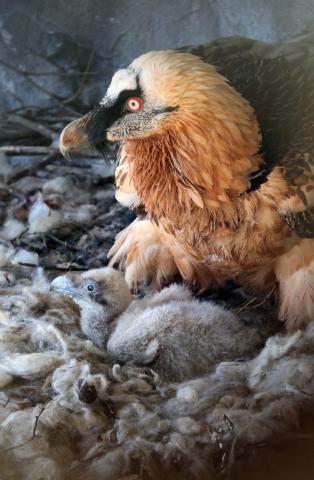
{"points": [[51, 43]]}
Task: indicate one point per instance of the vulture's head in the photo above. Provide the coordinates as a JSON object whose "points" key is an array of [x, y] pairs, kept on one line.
{"points": [[102, 294], [158, 92]]}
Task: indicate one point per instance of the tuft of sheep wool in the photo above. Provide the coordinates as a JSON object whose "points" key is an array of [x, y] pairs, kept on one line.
{"points": [[67, 411], [5, 167], [24, 256], [12, 229], [11, 256], [43, 219], [6, 254], [58, 185]]}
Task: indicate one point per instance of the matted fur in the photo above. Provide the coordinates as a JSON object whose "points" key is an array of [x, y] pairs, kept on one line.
{"points": [[67, 412]]}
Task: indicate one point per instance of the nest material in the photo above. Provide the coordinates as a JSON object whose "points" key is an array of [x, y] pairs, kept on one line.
{"points": [[68, 412]]}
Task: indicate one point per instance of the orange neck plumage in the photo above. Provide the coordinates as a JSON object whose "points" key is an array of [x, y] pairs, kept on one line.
{"points": [[201, 163]]}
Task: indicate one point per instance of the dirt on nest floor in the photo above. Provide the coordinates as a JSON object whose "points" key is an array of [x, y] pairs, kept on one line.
{"points": [[61, 217]]}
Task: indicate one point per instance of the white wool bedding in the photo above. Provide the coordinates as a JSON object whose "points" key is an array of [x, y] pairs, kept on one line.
{"points": [[66, 411]]}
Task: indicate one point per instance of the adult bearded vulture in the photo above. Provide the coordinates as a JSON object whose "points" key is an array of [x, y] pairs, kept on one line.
{"points": [[218, 203]]}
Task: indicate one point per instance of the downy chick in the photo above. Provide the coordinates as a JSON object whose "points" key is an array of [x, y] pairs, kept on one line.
{"points": [[178, 336]]}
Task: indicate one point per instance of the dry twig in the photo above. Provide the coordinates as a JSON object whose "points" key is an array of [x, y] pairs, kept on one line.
{"points": [[35, 126], [36, 422], [30, 170], [13, 447], [59, 268], [26, 150], [51, 95], [82, 83]]}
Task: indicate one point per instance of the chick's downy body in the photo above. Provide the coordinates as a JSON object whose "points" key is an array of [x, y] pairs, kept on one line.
{"points": [[178, 336], [217, 207]]}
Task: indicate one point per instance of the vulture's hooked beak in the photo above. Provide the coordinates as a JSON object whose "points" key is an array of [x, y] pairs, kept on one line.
{"points": [[86, 134], [64, 286], [74, 140]]}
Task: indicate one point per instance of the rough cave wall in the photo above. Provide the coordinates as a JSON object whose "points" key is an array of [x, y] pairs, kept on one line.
{"points": [[49, 36]]}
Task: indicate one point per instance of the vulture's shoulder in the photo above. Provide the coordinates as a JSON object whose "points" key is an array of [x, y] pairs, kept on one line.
{"points": [[278, 81]]}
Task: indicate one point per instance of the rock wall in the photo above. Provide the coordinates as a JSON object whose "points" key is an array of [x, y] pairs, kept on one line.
{"points": [[49, 36]]}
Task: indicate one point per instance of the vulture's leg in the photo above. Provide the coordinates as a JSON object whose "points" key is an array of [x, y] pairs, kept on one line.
{"points": [[147, 253], [295, 274], [142, 251]]}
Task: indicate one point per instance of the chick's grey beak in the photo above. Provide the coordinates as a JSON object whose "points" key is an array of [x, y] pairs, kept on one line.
{"points": [[64, 285], [60, 283]]}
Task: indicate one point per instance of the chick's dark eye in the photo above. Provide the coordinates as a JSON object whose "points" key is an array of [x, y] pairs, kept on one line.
{"points": [[90, 287], [134, 104]]}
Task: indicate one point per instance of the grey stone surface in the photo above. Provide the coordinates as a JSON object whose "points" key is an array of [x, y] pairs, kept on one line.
{"points": [[119, 30], [44, 55]]}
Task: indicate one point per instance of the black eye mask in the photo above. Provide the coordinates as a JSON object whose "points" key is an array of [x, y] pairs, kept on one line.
{"points": [[103, 116]]}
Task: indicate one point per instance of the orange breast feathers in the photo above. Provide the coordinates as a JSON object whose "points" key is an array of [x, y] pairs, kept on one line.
{"points": [[192, 176]]}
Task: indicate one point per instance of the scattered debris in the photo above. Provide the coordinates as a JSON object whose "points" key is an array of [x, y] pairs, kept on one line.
{"points": [[67, 408]]}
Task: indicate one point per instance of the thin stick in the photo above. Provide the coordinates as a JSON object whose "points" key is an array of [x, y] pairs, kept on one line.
{"points": [[13, 447], [71, 268], [7, 402], [66, 74], [51, 95], [82, 83], [36, 422], [25, 171], [35, 126], [61, 242], [244, 305], [250, 303], [26, 150]]}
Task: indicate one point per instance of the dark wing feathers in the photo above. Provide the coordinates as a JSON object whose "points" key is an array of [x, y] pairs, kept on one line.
{"points": [[278, 81]]}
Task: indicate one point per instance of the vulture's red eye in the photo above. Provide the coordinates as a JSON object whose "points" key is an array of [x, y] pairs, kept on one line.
{"points": [[134, 104]]}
